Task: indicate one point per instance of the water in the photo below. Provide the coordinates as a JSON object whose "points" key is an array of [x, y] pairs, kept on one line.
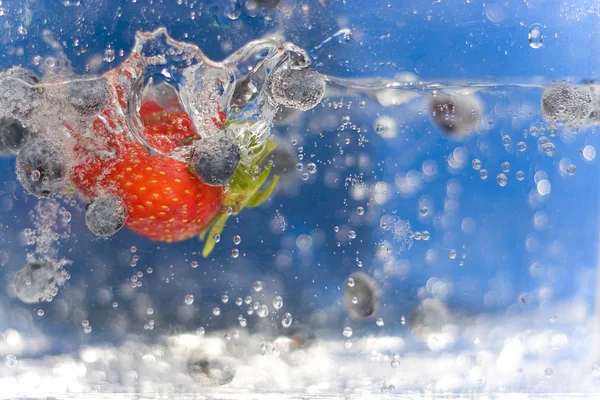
{"points": [[432, 230]]}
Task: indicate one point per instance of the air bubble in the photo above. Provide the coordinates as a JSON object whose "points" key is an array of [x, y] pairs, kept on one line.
{"points": [[257, 286], [360, 210], [476, 164], [571, 169], [262, 311], [483, 174], [189, 299], [235, 253], [535, 36], [216, 311], [379, 322], [506, 140], [312, 168], [505, 166], [225, 298], [237, 239], [347, 332], [423, 211], [501, 179], [520, 175], [277, 302], [521, 146], [452, 254], [351, 234], [286, 320]]}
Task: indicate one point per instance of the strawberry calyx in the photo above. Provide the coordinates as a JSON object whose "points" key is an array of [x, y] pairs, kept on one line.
{"points": [[244, 191]]}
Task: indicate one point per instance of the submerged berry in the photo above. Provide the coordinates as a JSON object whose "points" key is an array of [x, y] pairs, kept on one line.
{"points": [[215, 158], [105, 215], [456, 115], [13, 135], [361, 299], [301, 89], [89, 96], [36, 282], [41, 168], [211, 371], [567, 104]]}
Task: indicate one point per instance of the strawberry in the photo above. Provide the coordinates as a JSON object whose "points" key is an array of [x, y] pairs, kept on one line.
{"points": [[165, 200]]}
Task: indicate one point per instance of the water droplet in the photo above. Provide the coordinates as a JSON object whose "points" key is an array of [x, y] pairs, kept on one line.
{"points": [[347, 332], [379, 322], [189, 299], [360, 210], [535, 36], [452, 254], [233, 9], [262, 311], [109, 54], [286, 321], [571, 169], [277, 302], [476, 164], [351, 234], [216, 311], [483, 174], [257, 286], [10, 360], [549, 149], [501, 179]]}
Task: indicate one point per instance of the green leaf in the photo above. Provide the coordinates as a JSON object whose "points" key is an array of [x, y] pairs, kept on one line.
{"points": [[259, 197], [216, 229]]}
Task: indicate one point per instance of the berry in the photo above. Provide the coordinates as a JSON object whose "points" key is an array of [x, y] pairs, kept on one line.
{"points": [[42, 168], [88, 97], [36, 282], [567, 104], [211, 371], [456, 115], [13, 135], [216, 157], [301, 89], [361, 298], [18, 95], [105, 215]]}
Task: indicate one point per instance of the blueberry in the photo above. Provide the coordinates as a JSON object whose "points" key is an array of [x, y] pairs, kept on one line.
{"points": [[18, 95], [88, 97], [216, 157], [13, 135], [361, 295], [41, 168], [567, 104], [456, 115], [105, 215], [36, 282], [209, 370], [301, 89]]}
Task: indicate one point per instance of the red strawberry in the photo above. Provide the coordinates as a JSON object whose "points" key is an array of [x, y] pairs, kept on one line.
{"points": [[165, 200]]}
